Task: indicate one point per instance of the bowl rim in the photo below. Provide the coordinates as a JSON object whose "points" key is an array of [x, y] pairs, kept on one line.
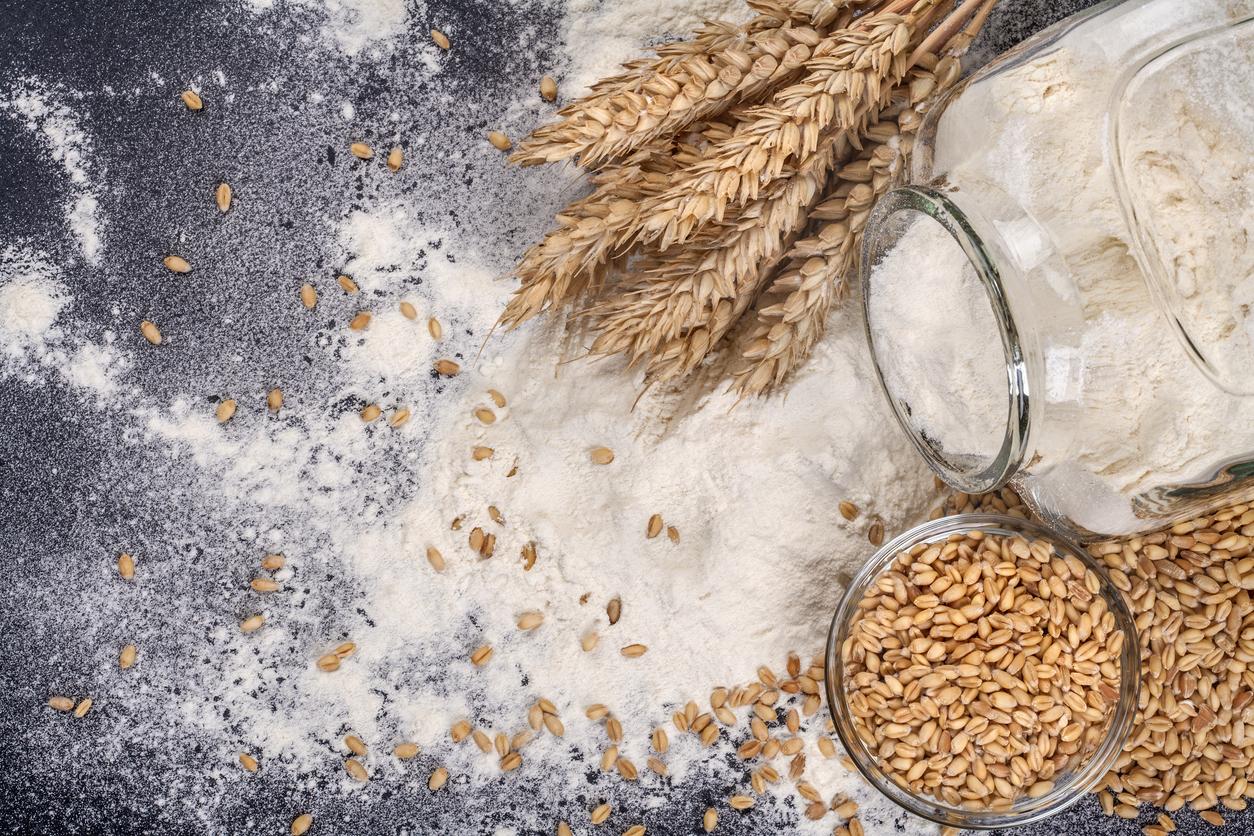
{"points": [[1080, 780]]}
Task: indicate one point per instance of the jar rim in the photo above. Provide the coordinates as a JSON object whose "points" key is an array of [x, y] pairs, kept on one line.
{"points": [[991, 266]]}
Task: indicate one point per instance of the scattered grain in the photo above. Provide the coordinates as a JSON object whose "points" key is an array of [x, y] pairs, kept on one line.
{"points": [[434, 329], [126, 567], [394, 163], [150, 332], [741, 802], [600, 814], [275, 399], [301, 824], [249, 762], [83, 708], [710, 820], [360, 321], [435, 558], [511, 761], [404, 751], [481, 656], [356, 770], [447, 367], [399, 417], [264, 585], [355, 744], [370, 413], [225, 410], [548, 88], [308, 296], [224, 197], [634, 651], [440, 40], [438, 779], [329, 663], [500, 140], [347, 284], [361, 150]]}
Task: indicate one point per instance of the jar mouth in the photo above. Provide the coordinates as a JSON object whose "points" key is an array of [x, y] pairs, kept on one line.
{"points": [[963, 401]]}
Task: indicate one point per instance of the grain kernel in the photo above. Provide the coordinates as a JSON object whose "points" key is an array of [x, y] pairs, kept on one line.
{"points": [[481, 453], [275, 399], [438, 779], [408, 311], [264, 585], [548, 88], [370, 413], [447, 367], [61, 703], [308, 296], [481, 656], [150, 332], [589, 642], [741, 802], [487, 416], [273, 561], [655, 526], [434, 328], [347, 284], [192, 101], [602, 455], [634, 651], [356, 770], [251, 623], [440, 40], [249, 762], [301, 824], [126, 567], [329, 663], [394, 161], [225, 410], [710, 820], [127, 658], [360, 321], [500, 140], [530, 621], [511, 761], [224, 197], [399, 417], [355, 744], [83, 708], [361, 150], [177, 265]]}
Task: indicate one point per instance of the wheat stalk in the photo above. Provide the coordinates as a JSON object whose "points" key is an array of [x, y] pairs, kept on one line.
{"points": [[793, 312], [688, 82], [695, 207]]}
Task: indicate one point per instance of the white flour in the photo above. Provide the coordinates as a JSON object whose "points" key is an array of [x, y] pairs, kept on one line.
{"points": [[939, 343], [52, 122], [601, 34], [32, 342], [1149, 417], [751, 490]]}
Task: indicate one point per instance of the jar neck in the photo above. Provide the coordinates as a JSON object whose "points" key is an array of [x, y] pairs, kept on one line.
{"points": [[1034, 304]]}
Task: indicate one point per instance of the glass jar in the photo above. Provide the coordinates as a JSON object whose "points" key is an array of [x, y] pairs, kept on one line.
{"points": [[1082, 770], [1066, 302]]}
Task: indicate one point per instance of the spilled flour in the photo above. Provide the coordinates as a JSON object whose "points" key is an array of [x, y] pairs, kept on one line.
{"points": [[753, 572]]}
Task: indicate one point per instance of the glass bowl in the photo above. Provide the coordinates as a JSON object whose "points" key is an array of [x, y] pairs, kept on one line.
{"points": [[1069, 785]]}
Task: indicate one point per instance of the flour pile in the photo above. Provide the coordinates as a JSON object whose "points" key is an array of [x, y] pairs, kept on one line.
{"points": [[753, 572]]}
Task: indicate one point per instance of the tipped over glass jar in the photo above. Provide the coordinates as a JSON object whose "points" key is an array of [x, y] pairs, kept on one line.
{"points": [[1067, 302]]}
